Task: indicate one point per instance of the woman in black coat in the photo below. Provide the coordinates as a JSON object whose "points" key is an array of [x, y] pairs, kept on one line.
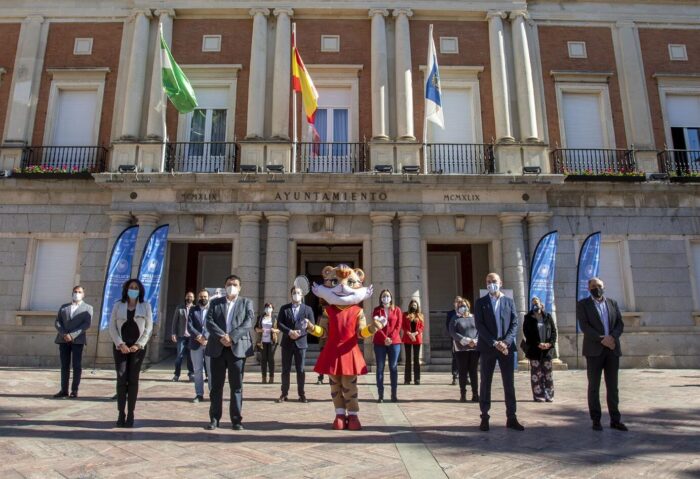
{"points": [[540, 334]]}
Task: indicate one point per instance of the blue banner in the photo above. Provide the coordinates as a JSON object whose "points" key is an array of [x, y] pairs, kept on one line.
{"points": [[118, 271], [542, 271], [151, 267], [588, 264]]}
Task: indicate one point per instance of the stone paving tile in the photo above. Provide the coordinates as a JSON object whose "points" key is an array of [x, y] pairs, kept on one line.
{"points": [[44, 438]]}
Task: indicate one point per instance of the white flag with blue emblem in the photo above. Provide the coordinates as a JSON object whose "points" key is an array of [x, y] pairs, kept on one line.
{"points": [[433, 93]]}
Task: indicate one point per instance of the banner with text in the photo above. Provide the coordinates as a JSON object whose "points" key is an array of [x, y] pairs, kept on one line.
{"points": [[152, 265], [118, 271], [542, 270]]}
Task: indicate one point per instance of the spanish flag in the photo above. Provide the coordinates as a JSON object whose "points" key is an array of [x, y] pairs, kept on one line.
{"points": [[301, 82]]}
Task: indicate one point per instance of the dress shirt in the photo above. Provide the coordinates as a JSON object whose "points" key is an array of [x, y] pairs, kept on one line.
{"points": [[229, 313], [74, 307], [496, 306], [602, 308]]}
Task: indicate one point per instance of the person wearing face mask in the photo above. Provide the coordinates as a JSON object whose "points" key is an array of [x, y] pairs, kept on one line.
{"points": [[540, 336], [230, 320], [412, 335], [465, 338], [451, 315], [72, 322], [181, 337], [266, 343], [387, 343], [130, 328], [291, 321], [601, 322], [198, 337], [497, 324]]}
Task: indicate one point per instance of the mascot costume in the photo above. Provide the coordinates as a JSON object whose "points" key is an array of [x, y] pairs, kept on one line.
{"points": [[340, 327]]}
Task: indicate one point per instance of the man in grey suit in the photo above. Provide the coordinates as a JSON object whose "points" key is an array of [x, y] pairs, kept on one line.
{"points": [[601, 322], [230, 320], [181, 337], [497, 323], [72, 321]]}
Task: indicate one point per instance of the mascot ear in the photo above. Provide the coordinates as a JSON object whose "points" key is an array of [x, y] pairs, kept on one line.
{"points": [[360, 275], [328, 271]]}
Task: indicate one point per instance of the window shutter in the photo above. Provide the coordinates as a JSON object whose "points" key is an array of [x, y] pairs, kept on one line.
{"points": [[75, 120], [683, 110], [583, 126], [458, 110], [695, 251], [53, 275], [611, 273]]}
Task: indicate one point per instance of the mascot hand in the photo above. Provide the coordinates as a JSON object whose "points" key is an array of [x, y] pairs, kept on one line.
{"points": [[380, 321]]}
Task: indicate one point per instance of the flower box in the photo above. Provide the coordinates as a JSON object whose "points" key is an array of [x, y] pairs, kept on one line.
{"points": [[607, 178], [685, 179], [81, 175]]}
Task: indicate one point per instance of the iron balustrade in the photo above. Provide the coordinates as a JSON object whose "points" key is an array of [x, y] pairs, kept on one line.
{"points": [[460, 158], [593, 161], [70, 158], [332, 157], [679, 162], [201, 157]]}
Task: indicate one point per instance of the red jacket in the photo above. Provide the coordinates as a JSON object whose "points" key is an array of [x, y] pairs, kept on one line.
{"points": [[406, 328], [392, 328]]}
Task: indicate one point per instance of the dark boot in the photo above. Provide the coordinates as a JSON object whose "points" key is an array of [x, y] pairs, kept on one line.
{"points": [[121, 419], [463, 396]]}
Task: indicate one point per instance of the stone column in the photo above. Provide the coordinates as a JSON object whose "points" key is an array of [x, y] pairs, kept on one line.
{"points": [[537, 227], [147, 223], [527, 112], [404, 78], [281, 85], [410, 259], [499, 78], [155, 129], [249, 256], [380, 75], [25, 81], [258, 74], [514, 266], [136, 78], [276, 259], [382, 276]]}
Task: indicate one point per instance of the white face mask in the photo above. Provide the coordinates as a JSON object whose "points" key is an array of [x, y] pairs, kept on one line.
{"points": [[296, 297], [77, 297], [232, 290], [462, 310], [268, 311], [386, 300], [493, 288]]}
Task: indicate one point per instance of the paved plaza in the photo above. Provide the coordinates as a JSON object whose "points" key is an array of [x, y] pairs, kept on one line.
{"points": [[427, 434]]}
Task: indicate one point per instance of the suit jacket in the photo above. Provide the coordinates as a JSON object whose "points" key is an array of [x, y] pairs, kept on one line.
{"points": [[196, 325], [592, 326], [241, 326], [75, 326], [532, 337], [486, 323], [179, 325], [286, 322]]}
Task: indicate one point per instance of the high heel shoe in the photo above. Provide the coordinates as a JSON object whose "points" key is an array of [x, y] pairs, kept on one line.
{"points": [[129, 420], [121, 419]]}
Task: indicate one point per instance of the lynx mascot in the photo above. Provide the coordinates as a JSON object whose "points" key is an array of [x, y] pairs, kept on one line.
{"points": [[344, 320]]}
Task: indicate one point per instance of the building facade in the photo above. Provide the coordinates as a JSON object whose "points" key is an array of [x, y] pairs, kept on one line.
{"points": [[568, 116]]}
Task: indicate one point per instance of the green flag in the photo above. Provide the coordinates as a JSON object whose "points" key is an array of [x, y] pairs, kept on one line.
{"points": [[175, 83]]}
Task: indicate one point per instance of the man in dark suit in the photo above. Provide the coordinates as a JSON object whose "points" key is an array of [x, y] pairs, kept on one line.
{"points": [[290, 321], [72, 321], [197, 327], [497, 323], [181, 337], [601, 322], [451, 315], [230, 320]]}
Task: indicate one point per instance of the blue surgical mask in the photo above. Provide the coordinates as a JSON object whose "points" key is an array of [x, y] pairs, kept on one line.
{"points": [[133, 293]]}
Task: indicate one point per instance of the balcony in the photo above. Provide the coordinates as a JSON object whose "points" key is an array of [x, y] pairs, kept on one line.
{"points": [[679, 163], [65, 159], [332, 157], [201, 157], [593, 161], [459, 158]]}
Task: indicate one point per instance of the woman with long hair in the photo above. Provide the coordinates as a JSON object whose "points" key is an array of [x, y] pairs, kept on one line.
{"points": [[412, 335], [266, 343], [387, 343]]}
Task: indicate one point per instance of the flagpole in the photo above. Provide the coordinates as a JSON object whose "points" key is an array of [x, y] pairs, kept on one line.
{"points": [[294, 108], [163, 103], [425, 112]]}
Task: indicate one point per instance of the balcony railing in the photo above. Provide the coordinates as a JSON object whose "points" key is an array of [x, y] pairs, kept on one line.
{"points": [[72, 158], [459, 158], [332, 157], [679, 162], [201, 157], [593, 160]]}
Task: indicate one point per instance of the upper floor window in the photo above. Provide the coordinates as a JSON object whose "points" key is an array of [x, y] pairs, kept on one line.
{"points": [[683, 116]]}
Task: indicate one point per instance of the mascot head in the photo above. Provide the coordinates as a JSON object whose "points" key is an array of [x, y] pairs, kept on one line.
{"points": [[342, 286]]}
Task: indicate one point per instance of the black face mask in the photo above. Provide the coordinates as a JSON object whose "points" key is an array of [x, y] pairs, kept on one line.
{"points": [[203, 302], [597, 293], [412, 309], [536, 309]]}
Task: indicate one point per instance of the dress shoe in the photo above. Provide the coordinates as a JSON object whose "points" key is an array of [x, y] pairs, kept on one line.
{"points": [[319, 382], [212, 425], [354, 422], [264, 381], [60, 395], [514, 424], [272, 379], [619, 426], [237, 427], [596, 426], [394, 398], [121, 420], [73, 395], [380, 399], [339, 422], [198, 399], [417, 382], [407, 381], [475, 398], [129, 420], [303, 399], [484, 426], [454, 381], [282, 398], [175, 379], [463, 397]]}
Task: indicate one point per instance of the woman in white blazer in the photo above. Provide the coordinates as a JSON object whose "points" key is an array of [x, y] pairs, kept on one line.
{"points": [[130, 327]]}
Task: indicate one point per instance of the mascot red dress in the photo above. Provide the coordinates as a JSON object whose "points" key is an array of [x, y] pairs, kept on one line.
{"points": [[343, 322]]}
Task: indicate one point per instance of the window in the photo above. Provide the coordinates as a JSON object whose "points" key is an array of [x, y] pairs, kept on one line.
{"points": [[211, 43], [683, 116], [53, 274], [612, 274], [695, 253], [330, 43], [82, 46], [75, 116], [206, 132], [332, 122], [577, 49], [449, 45], [582, 114], [677, 52]]}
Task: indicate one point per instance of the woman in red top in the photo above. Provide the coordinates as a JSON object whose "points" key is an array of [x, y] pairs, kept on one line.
{"points": [[387, 342], [412, 334]]}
